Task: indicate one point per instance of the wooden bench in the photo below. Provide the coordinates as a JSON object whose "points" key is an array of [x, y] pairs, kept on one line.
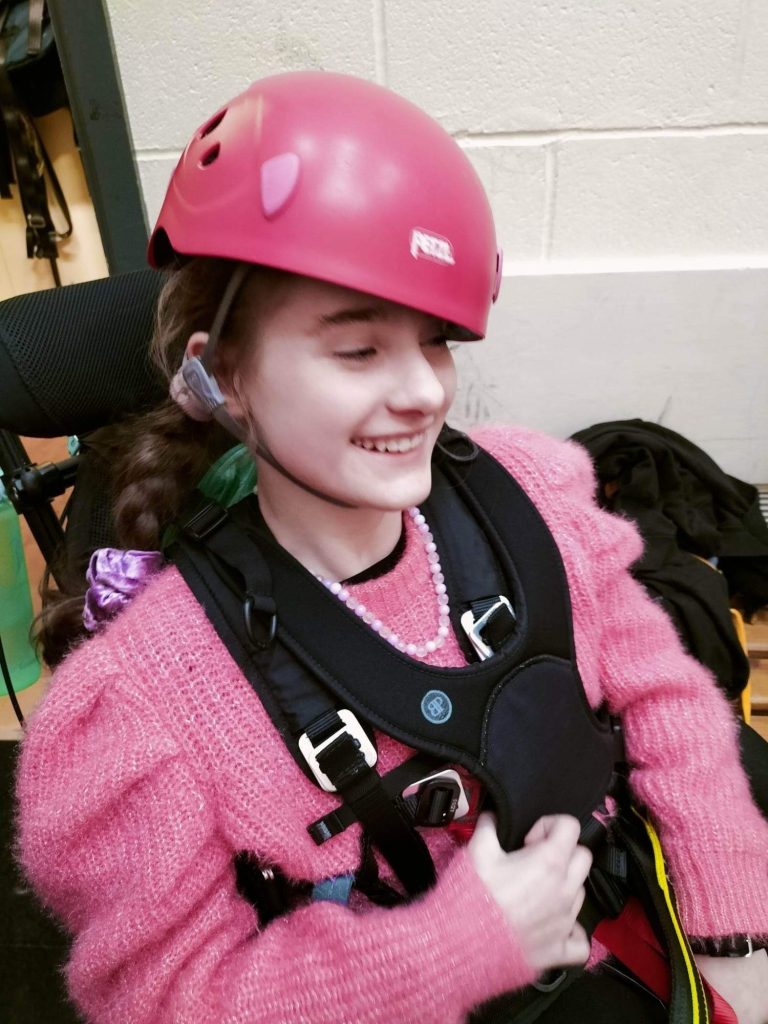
{"points": [[757, 649]]}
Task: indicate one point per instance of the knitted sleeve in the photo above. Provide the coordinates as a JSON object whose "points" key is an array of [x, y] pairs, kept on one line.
{"points": [[680, 732], [119, 836], [681, 741]]}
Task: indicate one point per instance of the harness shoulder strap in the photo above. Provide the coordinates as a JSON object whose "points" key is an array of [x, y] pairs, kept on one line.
{"points": [[211, 552]]}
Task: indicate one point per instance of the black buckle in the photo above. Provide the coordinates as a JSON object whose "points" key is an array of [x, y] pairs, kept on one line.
{"points": [[205, 520], [436, 802]]}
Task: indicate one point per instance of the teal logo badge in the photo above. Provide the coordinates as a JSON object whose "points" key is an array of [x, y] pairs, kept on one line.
{"points": [[436, 707]]}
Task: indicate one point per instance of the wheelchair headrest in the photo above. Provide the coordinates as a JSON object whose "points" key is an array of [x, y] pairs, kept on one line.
{"points": [[75, 358]]}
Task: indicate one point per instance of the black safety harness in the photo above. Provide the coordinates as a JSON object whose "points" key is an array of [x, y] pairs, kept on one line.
{"points": [[516, 716]]}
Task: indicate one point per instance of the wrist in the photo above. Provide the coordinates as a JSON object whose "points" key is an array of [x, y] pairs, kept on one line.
{"points": [[727, 945]]}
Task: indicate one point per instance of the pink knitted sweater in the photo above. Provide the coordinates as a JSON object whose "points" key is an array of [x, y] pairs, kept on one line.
{"points": [[151, 763]]}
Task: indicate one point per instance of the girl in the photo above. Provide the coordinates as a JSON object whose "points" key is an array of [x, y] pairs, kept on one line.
{"points": [[324, 240]]}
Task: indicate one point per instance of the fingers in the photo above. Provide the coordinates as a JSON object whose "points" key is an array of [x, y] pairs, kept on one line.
{"points": [[576, 904], [541, 830], [486, 822], [576, 947], [561, 830], [563, 833], [539, 888], [558, 836], [484, 835], [578, 866]]}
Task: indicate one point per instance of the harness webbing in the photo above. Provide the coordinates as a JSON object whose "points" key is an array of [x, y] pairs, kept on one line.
{"points": [[298, 706], [687, 1001], [394, 782], [364, 794], [515, 708]]}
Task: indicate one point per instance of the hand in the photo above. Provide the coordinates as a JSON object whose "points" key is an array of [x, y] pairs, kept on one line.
{"points": [[539, 888], [742, 981]]}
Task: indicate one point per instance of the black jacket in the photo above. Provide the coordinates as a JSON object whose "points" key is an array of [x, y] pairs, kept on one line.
{"points": [[688, 510]]}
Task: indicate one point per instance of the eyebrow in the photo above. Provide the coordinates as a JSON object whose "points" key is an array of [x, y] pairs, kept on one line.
{"points": [[354, 315]]}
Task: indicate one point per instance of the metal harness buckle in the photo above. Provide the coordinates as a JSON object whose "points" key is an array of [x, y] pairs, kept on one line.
{"points": [[358, 734], [473, 627], [440, 798]]}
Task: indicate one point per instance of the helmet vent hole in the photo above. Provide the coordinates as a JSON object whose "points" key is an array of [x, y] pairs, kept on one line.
{"points": [[210, 155], [213, 124]]}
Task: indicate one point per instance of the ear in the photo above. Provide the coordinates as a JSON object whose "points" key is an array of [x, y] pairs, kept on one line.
{"points": [[234, 405], [196, 345], [194, 350]]}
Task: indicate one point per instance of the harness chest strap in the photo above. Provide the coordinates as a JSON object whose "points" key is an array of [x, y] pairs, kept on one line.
{"points": [[502, 718], [310, 712], [213, 564], [295, 669], [344, 763]]}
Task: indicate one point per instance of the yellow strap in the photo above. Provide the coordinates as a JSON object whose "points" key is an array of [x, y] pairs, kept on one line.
{"points": [[746, 693], [661, 878]]}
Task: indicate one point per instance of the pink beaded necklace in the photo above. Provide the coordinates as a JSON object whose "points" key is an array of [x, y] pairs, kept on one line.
{"points": [[438, 582]]}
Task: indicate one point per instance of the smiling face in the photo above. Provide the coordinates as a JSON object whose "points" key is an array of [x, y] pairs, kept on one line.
{"points": [[348, 393]]}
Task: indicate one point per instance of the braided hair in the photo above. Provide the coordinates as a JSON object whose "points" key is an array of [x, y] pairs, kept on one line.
{"points": [[151, 463]]}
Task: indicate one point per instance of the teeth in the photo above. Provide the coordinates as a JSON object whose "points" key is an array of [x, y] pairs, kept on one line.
{"points": [[396, 444]]}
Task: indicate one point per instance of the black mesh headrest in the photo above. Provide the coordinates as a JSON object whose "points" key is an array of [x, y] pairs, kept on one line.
{"points": [[75, 358]]}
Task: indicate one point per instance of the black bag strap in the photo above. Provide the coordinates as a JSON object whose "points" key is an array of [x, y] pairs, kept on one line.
{"points": [[27, 159]]}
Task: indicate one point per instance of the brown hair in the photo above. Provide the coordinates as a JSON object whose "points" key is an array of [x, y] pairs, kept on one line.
{"points": [[153, 461]]}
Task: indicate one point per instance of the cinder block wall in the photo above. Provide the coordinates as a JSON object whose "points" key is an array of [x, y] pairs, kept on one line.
{"points": [[624, 145]]}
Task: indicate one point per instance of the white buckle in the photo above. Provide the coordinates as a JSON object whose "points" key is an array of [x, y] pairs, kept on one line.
{"points": [[462, 807], [355, 730], [473, 627]]}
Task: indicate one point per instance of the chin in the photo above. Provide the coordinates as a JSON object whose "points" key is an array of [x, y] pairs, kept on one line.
{"points": [[395, 498]]}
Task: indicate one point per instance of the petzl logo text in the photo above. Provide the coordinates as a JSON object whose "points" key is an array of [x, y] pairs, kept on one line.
{"points": [[425, 245]]}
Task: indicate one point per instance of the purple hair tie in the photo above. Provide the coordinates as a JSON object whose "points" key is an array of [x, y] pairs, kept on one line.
{"points": [[114, 578]]}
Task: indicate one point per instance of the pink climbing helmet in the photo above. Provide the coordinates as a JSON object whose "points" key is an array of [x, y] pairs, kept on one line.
{"points": [[339, 179]]}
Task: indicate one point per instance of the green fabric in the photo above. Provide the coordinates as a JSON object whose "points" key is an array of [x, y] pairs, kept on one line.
{"points": [[231, 478]]}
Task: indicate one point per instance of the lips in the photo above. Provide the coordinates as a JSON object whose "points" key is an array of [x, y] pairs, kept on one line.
{"points": [[390, 445]]}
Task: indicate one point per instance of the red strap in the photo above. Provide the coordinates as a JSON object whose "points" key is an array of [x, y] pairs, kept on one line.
{"points": [[632, 941]]}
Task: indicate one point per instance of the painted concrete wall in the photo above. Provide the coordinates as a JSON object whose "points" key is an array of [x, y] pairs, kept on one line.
{"points": [[624, 145]]}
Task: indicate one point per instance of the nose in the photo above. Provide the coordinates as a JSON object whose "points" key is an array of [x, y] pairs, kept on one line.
{"points": [[423, 382]]}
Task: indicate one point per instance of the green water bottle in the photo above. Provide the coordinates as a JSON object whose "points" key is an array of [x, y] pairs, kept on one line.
{"points": [[15, 602]]}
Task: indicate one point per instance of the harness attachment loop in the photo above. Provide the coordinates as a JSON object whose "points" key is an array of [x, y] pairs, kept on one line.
{"points": [[253, 606], [488, 623], [347, 725]]}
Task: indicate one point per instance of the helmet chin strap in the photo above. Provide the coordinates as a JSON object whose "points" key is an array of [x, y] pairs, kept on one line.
{"points": [[198, 377], [263, 452]]}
